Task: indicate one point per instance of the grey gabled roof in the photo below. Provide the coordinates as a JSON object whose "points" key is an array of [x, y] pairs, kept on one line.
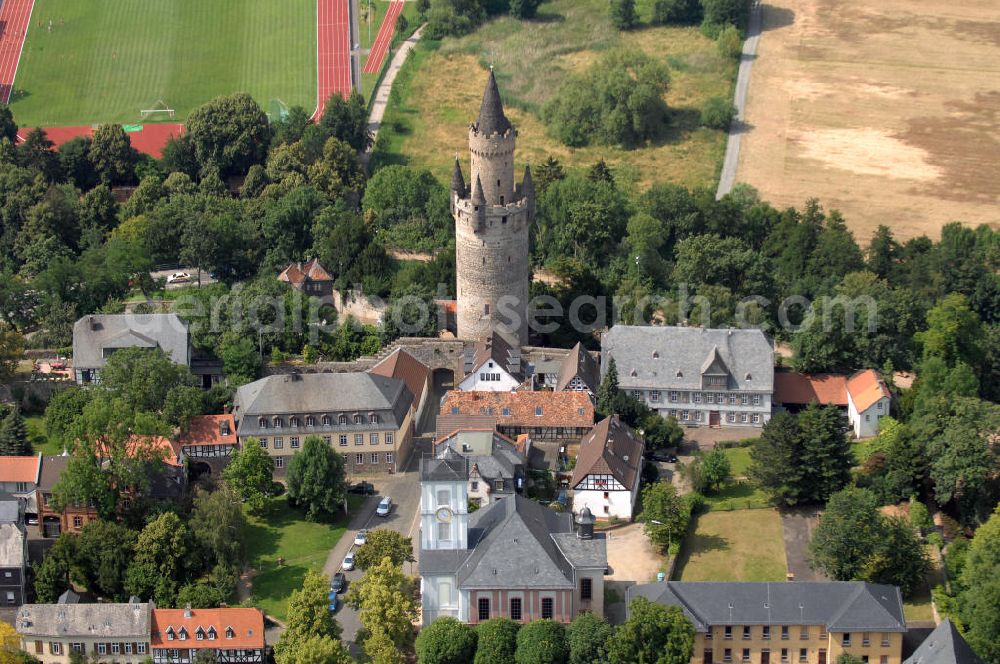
{"points": [[579, 362], [322, 393], [117, 621], [668, 357], [491, 116], [517, 543], [91, 334], [843, 606], [945, 645], [450, 466]]}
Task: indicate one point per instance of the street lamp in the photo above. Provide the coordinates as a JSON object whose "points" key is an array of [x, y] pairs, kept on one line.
{"points": [[669, 538]]}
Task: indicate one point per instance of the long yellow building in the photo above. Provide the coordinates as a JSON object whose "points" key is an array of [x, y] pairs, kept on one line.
{"points": [[787, 623]]}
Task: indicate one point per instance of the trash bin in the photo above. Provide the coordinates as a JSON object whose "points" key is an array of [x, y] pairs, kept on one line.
{"points": [[661, 577]]}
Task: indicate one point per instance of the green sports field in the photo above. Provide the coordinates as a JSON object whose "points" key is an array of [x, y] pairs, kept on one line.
{"points": [[105, 60]]}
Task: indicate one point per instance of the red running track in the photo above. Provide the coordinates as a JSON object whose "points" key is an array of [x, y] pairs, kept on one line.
{"points": [[333, 52], [383, 38], [150, 140], [15, 15]]}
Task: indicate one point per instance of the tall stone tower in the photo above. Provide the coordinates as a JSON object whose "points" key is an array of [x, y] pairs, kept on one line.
{"points": [[492, 222]]}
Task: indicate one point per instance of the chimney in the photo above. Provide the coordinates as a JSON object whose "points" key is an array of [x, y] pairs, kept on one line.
{"points": [[224, 428], [187, 610]]}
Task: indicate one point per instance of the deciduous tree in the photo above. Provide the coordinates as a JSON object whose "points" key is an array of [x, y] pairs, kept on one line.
{"points": [[249, 473], [316, 479], [496, 641], [383, 543], [446, 641], [587, 638], [653, 633], [541, 642], [308, 618], [664, 516], [112, 155]]}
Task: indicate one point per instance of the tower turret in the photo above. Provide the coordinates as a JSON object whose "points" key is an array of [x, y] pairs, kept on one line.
{"points": [[492, 222]]}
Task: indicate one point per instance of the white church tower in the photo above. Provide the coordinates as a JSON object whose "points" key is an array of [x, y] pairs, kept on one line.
{"points": [[444, 503]]}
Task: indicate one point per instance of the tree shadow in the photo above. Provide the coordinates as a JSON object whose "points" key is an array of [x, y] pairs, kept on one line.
{"points": [[548, 17], [775, 18], [698, 543]]}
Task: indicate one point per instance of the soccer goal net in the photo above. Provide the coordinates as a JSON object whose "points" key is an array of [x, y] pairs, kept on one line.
{"points": [[159, 107]]}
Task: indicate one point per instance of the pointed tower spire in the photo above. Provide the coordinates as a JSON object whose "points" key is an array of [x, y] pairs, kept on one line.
{"points": [[527, 186], [491, 117], [478, 198], [457, 179]]}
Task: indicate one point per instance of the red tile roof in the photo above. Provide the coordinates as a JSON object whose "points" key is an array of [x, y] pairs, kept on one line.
{"points": [[612, 448], [297, 273], [866, 388], [247, 628], [524, 409], [798, 388], [150, 446], [407, 368], [207, 430], [20, 468]]}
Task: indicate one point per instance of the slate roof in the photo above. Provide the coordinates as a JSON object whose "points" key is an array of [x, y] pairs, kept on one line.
{"points": [[10, 511], [495, 347], [52, 470], [866, 388], [491, 116], [665, 357], [457, 179], [91, 334], [842, 606], [558, 409], [792, 387], [516, 543], [11, 545], [579, 362], [945, 645], [611, 448], [503, 463], [247, 625], [447, 467], [115, 621], [402, 365], [318, 394]]}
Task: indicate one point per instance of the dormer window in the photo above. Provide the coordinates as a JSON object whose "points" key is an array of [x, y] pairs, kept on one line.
{"points": [[633, 373], [455, 410], [183, 634], [505, 411], [277, 422], [656, 354], [373, 419], [230, 633], [538, 411], [199, 634], [293, 421], [326, 420], [170, 634], [680, 374], [262, 422], [749, 377], [342, 419], [310, 421], [212, 634]]}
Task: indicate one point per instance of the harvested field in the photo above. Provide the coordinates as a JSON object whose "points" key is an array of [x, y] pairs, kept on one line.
{"points": [[888, 110]]}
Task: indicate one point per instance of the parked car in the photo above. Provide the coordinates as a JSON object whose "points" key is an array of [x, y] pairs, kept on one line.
{"points": [[179, 278], [361, 537], [339, 583], [334, 604], [362, 489], [384, 506], [348, 563], [661, 455]]}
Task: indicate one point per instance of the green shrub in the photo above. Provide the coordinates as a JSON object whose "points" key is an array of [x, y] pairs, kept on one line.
{"points": [[717, 113], [729, 43]]}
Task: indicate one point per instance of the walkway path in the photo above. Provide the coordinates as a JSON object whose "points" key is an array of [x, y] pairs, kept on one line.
{"points": [[384, 37], [385, 87], [736, 129], [15, 16], [333, 52]]}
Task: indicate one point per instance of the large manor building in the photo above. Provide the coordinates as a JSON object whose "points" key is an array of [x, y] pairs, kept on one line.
{"points": [[492, 228]]}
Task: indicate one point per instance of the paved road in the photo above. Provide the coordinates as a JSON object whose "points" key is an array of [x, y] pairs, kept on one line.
{"points": [[797, 526], [736, 129]]}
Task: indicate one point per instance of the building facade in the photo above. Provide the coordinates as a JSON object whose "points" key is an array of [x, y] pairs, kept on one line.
{"points": [[786, 623], [73, 517], [13, 558], [209, 436], [497, 466], [513, 558], [492, 365], [366, 417], [492, 228], [608, 470], [863, 396], [701, 377], [231, 634], [868, 400], [116, 633]]}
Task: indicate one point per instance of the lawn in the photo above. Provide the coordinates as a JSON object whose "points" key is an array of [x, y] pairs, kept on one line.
{"points": [[739, 460], [433, 103], [745, 545], [39, 440], [282, 532], [105, 60], [737, 495]]}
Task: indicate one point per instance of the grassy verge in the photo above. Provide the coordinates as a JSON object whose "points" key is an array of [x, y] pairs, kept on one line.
{"points": [[744, 545], [282, 532], [431, 110], [739, 460], [105, 60], [369, 82]]}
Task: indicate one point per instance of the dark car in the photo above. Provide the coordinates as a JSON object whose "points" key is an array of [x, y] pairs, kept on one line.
{"points": [[339, 583], [362, 489], [661, 455]]}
